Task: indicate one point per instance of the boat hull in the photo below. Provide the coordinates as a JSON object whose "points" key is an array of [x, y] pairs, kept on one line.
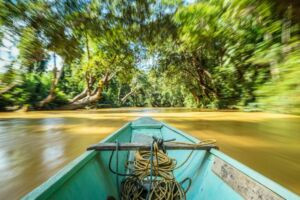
{"points": [[214, 175]]}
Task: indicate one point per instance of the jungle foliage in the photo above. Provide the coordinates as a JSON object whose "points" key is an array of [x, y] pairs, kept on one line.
{"points": [[74, 54]]}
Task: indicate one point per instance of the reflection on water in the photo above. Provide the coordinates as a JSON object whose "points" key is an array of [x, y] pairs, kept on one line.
{"points": [[35, 145]]}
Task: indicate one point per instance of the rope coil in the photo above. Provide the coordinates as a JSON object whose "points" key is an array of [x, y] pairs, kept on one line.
{"points": [[151, 174], [152, 164]]}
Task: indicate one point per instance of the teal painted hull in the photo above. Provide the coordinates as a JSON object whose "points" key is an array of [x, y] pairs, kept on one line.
{"points": [[214, 175]]}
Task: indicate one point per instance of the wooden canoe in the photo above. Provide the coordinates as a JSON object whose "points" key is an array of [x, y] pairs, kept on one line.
{"points": [[214, 175]]}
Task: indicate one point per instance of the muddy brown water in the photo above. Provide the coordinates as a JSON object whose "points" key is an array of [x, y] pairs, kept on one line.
{"points": [[35, 145]]}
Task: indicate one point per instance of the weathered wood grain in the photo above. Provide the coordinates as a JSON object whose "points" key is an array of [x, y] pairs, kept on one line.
{"points": [[247, 187]]}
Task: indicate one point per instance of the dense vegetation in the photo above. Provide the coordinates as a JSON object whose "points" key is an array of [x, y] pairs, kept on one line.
{"points": [[73, 54]]}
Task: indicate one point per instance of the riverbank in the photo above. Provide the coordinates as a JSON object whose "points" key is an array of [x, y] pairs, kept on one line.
{"points": [[34, 145]]}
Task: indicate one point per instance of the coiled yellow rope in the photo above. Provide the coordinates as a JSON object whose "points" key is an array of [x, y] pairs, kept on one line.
{"points": [[162, 164], [164, 186]]}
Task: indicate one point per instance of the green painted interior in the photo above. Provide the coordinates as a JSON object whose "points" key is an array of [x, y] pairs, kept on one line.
{"points": [[88, 177]]}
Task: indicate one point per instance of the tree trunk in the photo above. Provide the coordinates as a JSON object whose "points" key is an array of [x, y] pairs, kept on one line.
{"points": [[119, 94], [204, 78], [128, 95], [196, 97], [8, 88], [89, 99], [56, 77], [83, 94]]}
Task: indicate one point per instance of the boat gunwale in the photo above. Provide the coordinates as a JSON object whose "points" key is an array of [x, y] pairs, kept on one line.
{"points": [[256, 176], [67, 171]]}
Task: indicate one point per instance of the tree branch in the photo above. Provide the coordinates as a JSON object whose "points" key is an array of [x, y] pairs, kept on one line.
{"points": [[8, 88]]}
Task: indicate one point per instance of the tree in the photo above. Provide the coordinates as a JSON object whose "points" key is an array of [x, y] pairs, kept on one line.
{"points": [[216, 54]]}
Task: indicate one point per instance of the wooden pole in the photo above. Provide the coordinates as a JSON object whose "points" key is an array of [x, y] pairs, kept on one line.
{"points": [[141, 146]]}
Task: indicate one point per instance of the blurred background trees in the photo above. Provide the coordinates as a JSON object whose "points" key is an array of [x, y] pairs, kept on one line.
{"points": [[209, 53]]}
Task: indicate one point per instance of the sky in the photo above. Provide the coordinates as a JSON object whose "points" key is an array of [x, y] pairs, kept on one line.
{"points": [[9, 52]]}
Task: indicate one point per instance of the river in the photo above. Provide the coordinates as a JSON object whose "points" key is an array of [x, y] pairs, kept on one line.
{"points": [[35, 145]]}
